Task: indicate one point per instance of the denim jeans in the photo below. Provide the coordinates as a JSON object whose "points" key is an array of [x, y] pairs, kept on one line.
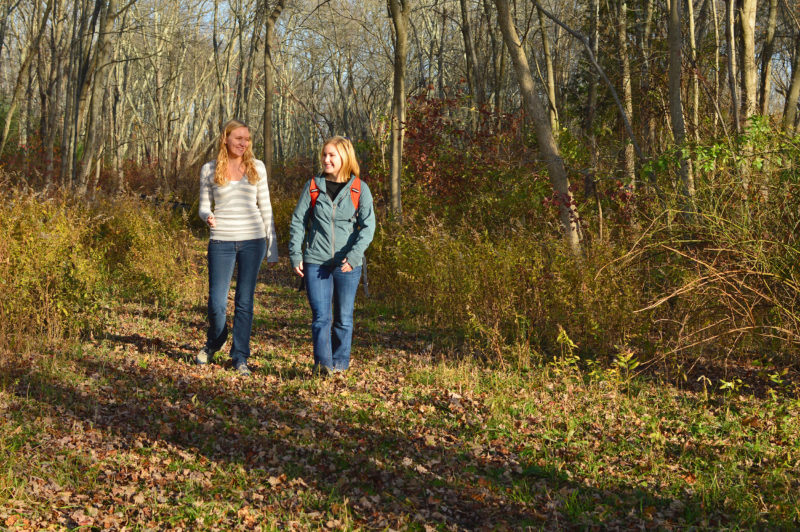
{"points": [[331, 294], [222, 256]]}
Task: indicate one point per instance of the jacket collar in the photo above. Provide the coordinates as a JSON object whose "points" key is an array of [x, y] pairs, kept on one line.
{"points": [[323, 185]]}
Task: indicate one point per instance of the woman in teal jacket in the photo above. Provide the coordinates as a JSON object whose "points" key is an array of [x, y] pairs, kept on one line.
{"points": [[335, 220]]}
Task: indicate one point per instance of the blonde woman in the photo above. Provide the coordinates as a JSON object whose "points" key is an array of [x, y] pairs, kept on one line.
{"points": [[334, 217], [242, 233]]}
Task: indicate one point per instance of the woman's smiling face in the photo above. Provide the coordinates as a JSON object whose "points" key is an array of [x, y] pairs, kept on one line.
{"points": [[331, 160], [237, 142]]}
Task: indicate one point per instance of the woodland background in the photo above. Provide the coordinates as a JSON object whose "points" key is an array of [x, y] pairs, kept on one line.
{"points": [[573, 194]]}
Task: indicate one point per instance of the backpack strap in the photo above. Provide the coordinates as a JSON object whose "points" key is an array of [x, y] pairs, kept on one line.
{"points": [[313, 190], [355, 192]]}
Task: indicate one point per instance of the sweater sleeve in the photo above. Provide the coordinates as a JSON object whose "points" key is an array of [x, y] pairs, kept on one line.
{"points": [[265, 206], [206, 180]]}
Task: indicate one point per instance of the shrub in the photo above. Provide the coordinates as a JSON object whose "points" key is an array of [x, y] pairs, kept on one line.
{"points": [[62, 260], [479, 251], [506, 293], [738, 252]]}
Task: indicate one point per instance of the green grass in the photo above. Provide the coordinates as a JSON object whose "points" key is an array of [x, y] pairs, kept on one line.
{"points": [[123, 431]]}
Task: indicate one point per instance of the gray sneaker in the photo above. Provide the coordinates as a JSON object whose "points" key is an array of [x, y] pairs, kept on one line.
{"points": [[242, 369], [203, 357]]}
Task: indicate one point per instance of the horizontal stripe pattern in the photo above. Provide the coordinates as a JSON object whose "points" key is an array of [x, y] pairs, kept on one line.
{"points": [[242, 211]]}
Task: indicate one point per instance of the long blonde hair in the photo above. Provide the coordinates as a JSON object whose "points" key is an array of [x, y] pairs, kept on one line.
{"points": [[248, 159], [347, 153]]}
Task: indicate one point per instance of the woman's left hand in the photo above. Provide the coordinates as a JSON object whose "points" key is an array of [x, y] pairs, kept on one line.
{"points": [[346, 266]]}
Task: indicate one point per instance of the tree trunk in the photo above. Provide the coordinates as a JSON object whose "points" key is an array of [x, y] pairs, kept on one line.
{"points": [[238, 105], [590, 53], [399, 11], [747, 22], [695, 88], [675, 103], [51, 89], [629, 161], [551, 80], [244, 75], [731, 46], [766, 59], [536, 113], [591, 106], [790, 107], [27, 121], [498, 59], [440, 57], [590, 181], [94, 124], [8, 8], [121, 80], [474, 70], [644, 84], [83, 65], [30, 53], [221, 75], [70, 125], [269, 81], [716, 60]]}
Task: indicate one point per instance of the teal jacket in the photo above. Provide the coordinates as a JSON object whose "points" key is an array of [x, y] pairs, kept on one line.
{"points": [[332, 230]]}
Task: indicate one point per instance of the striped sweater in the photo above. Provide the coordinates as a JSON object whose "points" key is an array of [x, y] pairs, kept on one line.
{"points": [[242, 211]]}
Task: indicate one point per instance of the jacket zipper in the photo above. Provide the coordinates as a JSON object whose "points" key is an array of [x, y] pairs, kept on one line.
{"points": [[333, 230]]}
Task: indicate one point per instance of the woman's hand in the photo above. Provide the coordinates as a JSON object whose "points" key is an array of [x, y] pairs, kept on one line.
{"points": [[211, 221], [346, 266], [299, 269]]}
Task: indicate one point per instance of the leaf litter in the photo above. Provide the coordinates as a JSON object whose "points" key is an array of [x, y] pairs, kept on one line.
{"points": [[123, 432]]}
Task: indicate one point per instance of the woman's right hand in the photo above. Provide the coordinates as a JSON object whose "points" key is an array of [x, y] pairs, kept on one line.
{"points": [[211, 221], [299, 269]]}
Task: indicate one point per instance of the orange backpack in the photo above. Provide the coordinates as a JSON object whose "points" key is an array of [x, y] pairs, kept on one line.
{"points": [[355, 192]]}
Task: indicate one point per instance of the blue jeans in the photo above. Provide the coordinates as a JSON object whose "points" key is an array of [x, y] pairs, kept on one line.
{"points": [[331, 294], [222, 256]]}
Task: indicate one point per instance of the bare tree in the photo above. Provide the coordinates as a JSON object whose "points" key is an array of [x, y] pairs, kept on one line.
{"points": [[269, 80], [29, 54], [646, 73], [730, 44], [590, 181], [154, 82], [629, 161], [474, 71], [541, 123], [717, 80], [245, 20], [399, 12], [790, 108], [91, 31], [675, 102], [551, 78], [695, 87], [747, 23], [497, 56], [51, 64], [7, 7], [767, 53], [94, 124]]}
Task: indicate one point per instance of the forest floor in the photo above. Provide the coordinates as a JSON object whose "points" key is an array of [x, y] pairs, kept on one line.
{"points": [[122, 431]]}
